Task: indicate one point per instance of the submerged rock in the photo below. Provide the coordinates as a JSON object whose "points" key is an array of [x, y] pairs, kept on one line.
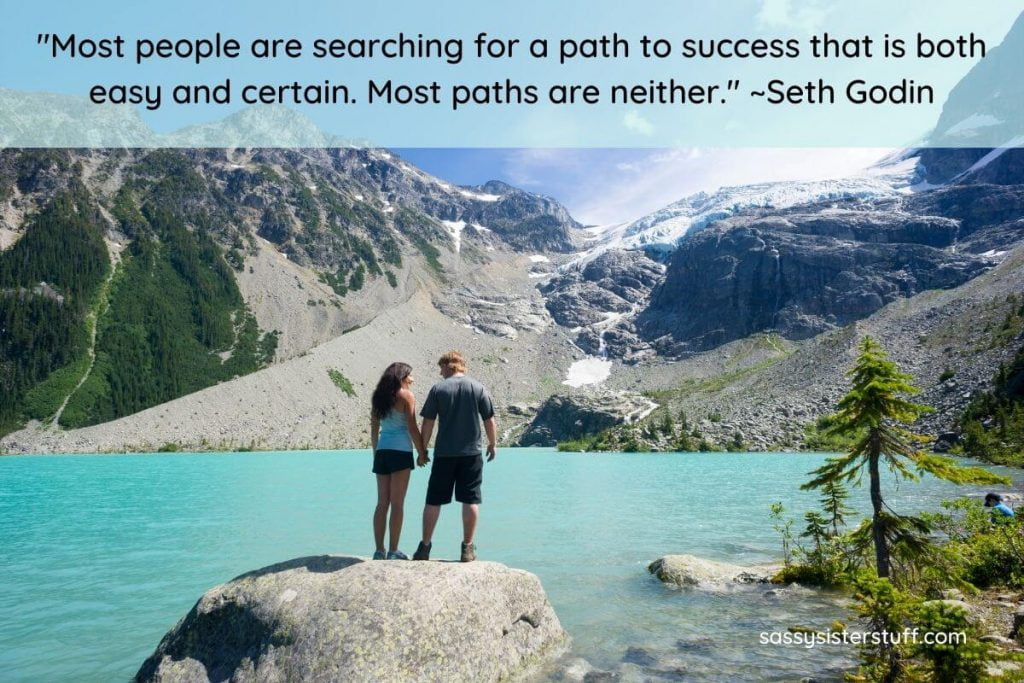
{"points": [[690, 570], [329, 618], [573, 669], [639, 655]]}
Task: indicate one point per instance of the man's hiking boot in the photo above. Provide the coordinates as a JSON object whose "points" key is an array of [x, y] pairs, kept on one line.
{"points": [[379, 555], [422, 551], [397, 555], [468, 552]]}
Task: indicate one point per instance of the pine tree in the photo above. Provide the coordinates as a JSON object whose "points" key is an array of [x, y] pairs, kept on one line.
{"points": [[877, 410], [816, 529], [833, 502], [666, 426]]}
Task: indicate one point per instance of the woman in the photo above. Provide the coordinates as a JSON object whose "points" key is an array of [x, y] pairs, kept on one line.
{"points": [[393, 433]]}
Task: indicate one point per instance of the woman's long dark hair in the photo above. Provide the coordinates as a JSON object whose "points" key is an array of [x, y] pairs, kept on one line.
{"points": [[387, 389]]}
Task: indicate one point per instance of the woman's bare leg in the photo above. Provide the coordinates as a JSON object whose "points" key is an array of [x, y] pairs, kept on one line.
{"points": [[380, 513], [399, 485]]}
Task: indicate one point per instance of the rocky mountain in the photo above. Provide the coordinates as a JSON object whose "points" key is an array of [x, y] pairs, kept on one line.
{"points": [[751, 272], [129, 278], [597, 300], [804, 257], [809, 269]]}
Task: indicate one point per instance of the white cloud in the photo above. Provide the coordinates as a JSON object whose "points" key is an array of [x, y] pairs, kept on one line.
{"points": [[638, 124], [809, 16], [522, 167], [605, 196], [607, 186]]}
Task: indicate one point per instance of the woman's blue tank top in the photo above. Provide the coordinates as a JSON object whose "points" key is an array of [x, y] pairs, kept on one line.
{"points": [[394, 434]]}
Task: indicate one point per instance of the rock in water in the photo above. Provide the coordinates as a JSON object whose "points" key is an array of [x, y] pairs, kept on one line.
{"points": [[334, 618], [690, 570], [562, 418]]}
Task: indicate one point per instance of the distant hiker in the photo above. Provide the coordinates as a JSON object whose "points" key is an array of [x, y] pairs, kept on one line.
{"points": [[995, 501], [459, 404], [393, 435]]}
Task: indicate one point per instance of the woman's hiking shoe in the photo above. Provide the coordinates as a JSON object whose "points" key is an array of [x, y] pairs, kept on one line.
{"points": [[378, 555], [468, 552], [422, 551], [397, 555]]}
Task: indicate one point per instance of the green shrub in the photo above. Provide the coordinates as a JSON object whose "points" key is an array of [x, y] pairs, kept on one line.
{"points": [[819, 436], [993, 422], [885, 610], [957, 653], [981, 549], [341, 382], [575, 446]]}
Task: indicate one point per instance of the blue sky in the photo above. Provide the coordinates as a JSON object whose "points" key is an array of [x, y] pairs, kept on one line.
{"points": [[605, 186]]}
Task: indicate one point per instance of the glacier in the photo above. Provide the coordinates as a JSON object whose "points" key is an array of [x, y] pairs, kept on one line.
{"points": [[659, 232]]}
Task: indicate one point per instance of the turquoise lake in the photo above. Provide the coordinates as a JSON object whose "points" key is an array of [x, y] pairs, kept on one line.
{"points": [[101, 554]]}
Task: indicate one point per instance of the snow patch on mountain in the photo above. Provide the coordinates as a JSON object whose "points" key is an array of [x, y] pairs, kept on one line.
{"points": [[969, 126], [992, 156], [455, 229], [480, 196], [590, 370], [662, 230]]}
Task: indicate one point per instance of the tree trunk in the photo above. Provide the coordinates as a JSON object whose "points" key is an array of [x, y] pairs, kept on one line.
{"points": [[877, 530]]}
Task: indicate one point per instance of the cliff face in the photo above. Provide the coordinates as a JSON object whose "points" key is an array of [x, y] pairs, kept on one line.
{"points": [[598, 299], [810, 269]]}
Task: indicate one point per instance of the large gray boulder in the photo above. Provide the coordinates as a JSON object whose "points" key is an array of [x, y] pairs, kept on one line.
{"points": [[334, 618], [567, 417], [690, 570]]}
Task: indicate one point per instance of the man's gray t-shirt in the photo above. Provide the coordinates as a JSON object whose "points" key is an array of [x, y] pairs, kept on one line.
{"points": [[458, 404]]}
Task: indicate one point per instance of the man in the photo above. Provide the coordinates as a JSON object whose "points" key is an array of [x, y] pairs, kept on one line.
{"points": [[459, 404], [995, 501]]}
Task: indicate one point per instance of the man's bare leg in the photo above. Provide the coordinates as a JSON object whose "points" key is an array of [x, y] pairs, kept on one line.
{"points": [[431, 513], [470, 515]]}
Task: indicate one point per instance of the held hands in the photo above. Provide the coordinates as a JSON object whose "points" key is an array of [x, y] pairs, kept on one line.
{"points": [[423, 459], [491, 452]]}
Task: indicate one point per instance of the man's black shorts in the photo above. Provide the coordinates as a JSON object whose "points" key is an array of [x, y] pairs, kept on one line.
{"points": [[387, 461], [463, 473]]}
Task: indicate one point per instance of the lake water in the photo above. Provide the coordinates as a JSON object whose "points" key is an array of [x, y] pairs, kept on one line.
{"points": [[100, 555]]}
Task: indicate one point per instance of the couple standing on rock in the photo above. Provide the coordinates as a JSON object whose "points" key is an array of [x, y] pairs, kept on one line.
{"points": [[458, 404]]}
